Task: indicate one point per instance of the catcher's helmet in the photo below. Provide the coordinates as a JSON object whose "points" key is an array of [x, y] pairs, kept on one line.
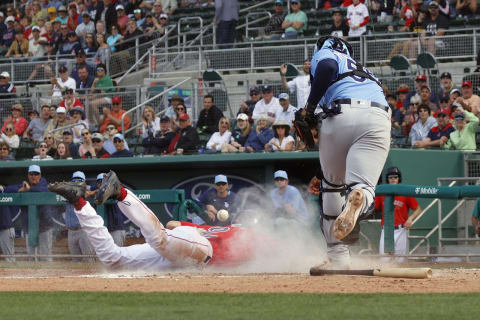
{"points": [[394, 171], [335, 43]]}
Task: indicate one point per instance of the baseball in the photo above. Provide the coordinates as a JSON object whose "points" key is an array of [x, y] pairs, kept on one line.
{"points": [[222, 215]]}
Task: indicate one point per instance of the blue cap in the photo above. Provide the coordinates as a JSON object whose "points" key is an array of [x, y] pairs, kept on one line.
{"points": [[78, 175], [34, 168], [100, 176], [119, 136], [221, 178], [280, 2], [283, 96], [280, 174]]}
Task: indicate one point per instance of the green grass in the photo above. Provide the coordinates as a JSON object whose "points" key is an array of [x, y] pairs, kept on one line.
{"points": [[132, 306]]}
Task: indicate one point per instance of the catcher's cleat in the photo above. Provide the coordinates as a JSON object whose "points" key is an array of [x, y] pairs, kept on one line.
{"points": [[346, 221], [72, 191], [110, 188]]}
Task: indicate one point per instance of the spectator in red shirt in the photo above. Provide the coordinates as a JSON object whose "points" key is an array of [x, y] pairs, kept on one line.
{"points": [[122, 18], [114, 116], [17, 119], [69, 101], [401, 220], [73, 17]]}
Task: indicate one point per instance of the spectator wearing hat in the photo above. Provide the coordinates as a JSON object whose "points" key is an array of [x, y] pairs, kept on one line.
{"points": [[110, 132], [102, 85], [444, 101], [339, 27], [434, 25], [247, 106], [422, 127], [162, 25], [213, 200], [77, 117], [300, 84], [468, 100], [37, 126], [60, 84], [226, 17], [19, 122], [98, 151], [169, 6], [7, 89], [121, 152], [466, 7], [137, 16], [463, 138], [454, 94], [288, 111], [70, 101], [239, 135], [357, 18], [86, 80], [420, 81], [287, 200], [107, 13], [9, 136], [115, 116], [78, 243], [5, 154], [19, 46], [295, 22], [36, 183], [268, 105], [220, 137], [158, 144], [258, 138], [70, 46], [59, 121], [87, 26], [446, 83], [273, 30], [36, 44], [8, 36], [281, 141], [51, 13], [174, 100], [186, 139], [150, 123], [62, 15], [209, 116], [74, 18], [425, 95], [438, 135], [402, 93], [122, 18]]}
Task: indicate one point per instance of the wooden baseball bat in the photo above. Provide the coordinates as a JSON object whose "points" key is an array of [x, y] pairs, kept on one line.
{"points": [[411, 273]]}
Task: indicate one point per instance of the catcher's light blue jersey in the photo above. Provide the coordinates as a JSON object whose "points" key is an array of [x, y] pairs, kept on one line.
{"points": [[352, 87]]}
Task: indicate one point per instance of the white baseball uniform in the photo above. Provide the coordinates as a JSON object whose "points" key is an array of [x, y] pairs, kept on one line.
{"points": [[301, 85], [356, 15], [180, 247]]}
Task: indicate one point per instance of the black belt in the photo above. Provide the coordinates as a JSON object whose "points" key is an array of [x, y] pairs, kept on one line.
{"points": [[373, 104], [397, 227]]}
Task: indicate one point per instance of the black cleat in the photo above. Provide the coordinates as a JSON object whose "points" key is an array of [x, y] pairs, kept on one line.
{"points": [[72, 191], [110, 188]]}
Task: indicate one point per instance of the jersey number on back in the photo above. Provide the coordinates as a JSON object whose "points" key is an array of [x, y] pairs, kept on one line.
{"points": [[352, 66]]}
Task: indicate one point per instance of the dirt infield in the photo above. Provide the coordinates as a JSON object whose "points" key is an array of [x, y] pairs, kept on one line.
{"points": [[447, 280]]}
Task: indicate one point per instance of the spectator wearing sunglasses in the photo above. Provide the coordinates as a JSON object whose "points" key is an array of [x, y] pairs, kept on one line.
{"points": [[99, 150], [5, 154], [114, 116], [9, 137], [121, 152], [36, 183], [17, 119], [218, 198], [42, 152], [247, 106], [108, 144]]}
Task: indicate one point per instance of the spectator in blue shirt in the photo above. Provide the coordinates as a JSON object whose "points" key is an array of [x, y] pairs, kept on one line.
{"points": [[439, 135], [8, 36], [219, 198], [258, 138], [287, 200]]}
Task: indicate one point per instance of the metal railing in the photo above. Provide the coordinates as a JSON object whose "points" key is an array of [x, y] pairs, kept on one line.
{"points": [[264, 15], [370, 50]]}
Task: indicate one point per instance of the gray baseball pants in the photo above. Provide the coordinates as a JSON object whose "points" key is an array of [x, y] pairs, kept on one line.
{"points": [[353, 148], [7, 243], [44, 245], [78, 243]]}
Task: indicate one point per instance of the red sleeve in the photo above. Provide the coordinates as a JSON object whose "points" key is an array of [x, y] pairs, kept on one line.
{"points": [[412, 203], [21, 125], [379, 202], [62, 104], [348, 22], [4, 124], [365, 21], [106, 155]]}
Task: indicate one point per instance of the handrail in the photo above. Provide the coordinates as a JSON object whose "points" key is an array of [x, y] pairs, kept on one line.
{"points": [[255, 13], [255, 6], [68, 126], [147, 101]]}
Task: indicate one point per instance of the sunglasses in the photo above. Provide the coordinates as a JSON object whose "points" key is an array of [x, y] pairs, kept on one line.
{"points": [[220, 184], [100, 69], [111, 128], [116, 103], [34, 173], [4, 149], [43, 146], [96, 140], [180, 109], [392, 177], [254, 94], [8, 129], [85, 133], [137, 11], [117, 140]]}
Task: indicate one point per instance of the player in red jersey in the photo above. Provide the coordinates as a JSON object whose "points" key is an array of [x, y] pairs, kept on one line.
{"points": [[181, 244]]}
